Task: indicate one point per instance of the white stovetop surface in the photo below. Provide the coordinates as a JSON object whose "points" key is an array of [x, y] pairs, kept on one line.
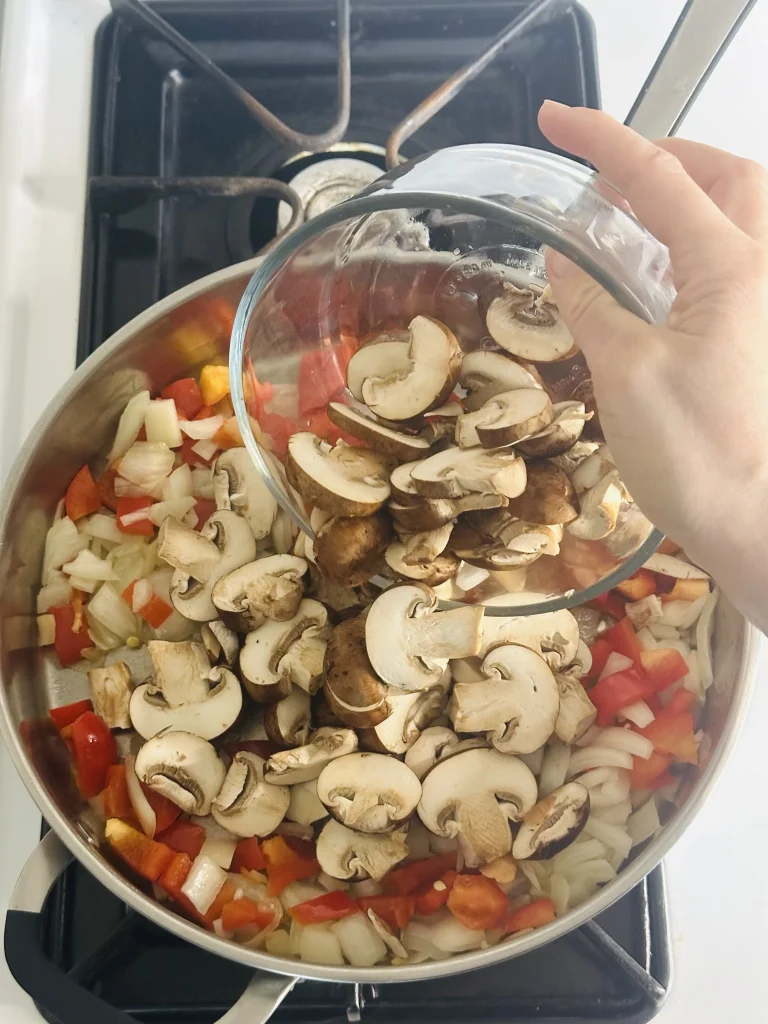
{"points": [[716, 874]]}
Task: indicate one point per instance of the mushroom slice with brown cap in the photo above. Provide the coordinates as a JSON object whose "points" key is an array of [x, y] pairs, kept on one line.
{"points": [[431, 513], [238, 485], [505, 419], [208, 718], [111, 688], [268, 588], [246, 805], [350, 549], [529, 328], [553, 635], [369, 792], [287, 722], [195, 577], [424, 547], [455, 473], [591, 470], [562, 433], [599, 512], [548, 497], [553, 823], [403, 488], [440, 569], [517, 534], [342, 480], [487, 553], [570, 461], [486, 374], [181, 671], [353, 690], [409, 714], [375, 435], [273, 656], [184, 768], [516, 705], [220, 641], [381, 356], [577, 713], [346, 854], [473, 796], [435, 361], [409, 644], [302, 764], [429, 748]]}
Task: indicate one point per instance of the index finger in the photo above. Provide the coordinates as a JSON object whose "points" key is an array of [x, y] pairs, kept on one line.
{"points": [[662, 195]]}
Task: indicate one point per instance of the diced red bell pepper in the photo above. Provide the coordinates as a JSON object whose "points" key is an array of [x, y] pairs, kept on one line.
{"points": [[650, 772], [682, 700], [248, 856], [617, 691], [623, 639], [331, 906], [319, 423], [214, 383], [95, 750], [174, 876], [204, 509], [241, 913], [106, 486], [641, 584], [155, 611], [610, 603], [147, 857], [478, 902], [186, 395], [257, 393], [663, 666], [280, 429], [288, 862], [686, 590], [601, 651], [534, 915], [166, 812], [395, 911], [671, 732], [654, 702], [183, 837], [68, 641], [68, 713], [433, 895], [125, 506], [413, 876], [322, 373], [115, 798], [82, 496]]}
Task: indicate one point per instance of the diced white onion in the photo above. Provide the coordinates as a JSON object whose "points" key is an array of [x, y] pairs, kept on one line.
{"points": [[589, 737], [559, 891], [359, 942], [278, 943], [661, 631], [638, 714], [704, 640], [132, 560], [611, 792], [331, 884], [63, 542], [131, 422], [162, 423], [109, 609], [131, 518], [299, 892], [87, 566], [178, 484], [417, 939], [103, 527], [141, 806], [598, 757], [46, 630], [598, 776], [577, 853], [221, 851], [190, 519], [203, 883], [103, 638], [618, 813], [644, 823], [450, 934], [647, 640], [205, 449], [628, 740], [142, 594], [613, 836], [616, 663], [295, 829], [534, 760], [202, 430], [176, 627], [695, 609], [177, 508], [470, 576], [202, 482], [676, 613], [692, 682], [57, 592], [554, 768], [147, 464], [593, 871], [83, 583], [319, 945]]}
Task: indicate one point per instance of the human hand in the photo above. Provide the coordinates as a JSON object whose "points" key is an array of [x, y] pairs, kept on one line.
{"points": [[684, 406]]}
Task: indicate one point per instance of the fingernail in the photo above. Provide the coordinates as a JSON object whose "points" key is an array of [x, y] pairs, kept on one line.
{"points": [[555, 103], [558, 266]]}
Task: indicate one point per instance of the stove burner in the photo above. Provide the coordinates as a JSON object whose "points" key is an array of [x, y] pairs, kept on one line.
{"points": [[327, 183]]}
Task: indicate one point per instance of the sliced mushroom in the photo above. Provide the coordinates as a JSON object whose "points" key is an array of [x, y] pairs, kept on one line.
{"points": [[517, 534], [562, 433], [350, 549], [409, 644], [435, 361], [409, 714], [287, 722], [532, 329], [429, 748], [345, 854], [246, 805], [196, 575], [184, 768], [505, 419], [269, 588], [380, 438], [553, 823], [305, 806], [573, 458], [238, 485], [632, 529], [487, 374], [220, 641], [440, 569], [302, 764], [274, 656], [208, 717], [577, 712], [454, 473], [111, 690], [342, 480], [516, 704], [591, 470], [473, 796], [487, 553], [424, 547], [383, 355], [599, 510], [669, 565], [403, 488], [369, 792], [548, 497], [181, 671], [431, 513], [553, 635], [353, 690]]}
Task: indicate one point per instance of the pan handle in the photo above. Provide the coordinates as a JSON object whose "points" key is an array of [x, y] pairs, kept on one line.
{"points": [[55, 991]]}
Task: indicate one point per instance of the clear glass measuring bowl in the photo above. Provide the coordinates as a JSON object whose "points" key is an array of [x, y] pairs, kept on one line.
{"points": [[438, 237]]}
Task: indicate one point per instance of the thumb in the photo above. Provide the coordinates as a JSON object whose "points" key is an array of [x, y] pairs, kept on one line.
{"points": [[593, 317]]}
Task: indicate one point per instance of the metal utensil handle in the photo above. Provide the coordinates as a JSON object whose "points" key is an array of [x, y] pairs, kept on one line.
{"points": [[701, 36], [59, 994]]}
